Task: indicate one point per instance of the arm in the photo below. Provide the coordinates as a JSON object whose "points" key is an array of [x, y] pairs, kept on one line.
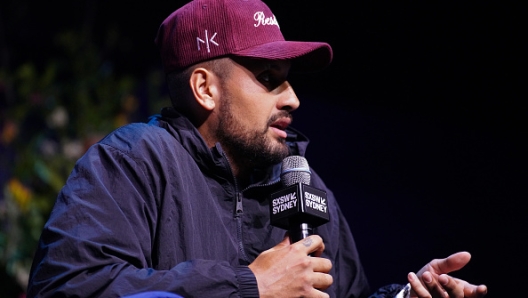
{"points": [[99, 239]]}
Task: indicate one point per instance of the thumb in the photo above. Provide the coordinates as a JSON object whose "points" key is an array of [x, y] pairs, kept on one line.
{"points": [[453, 262]]}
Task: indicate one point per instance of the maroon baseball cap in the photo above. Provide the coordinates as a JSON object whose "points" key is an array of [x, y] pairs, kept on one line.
{"points": [[206, 29]]}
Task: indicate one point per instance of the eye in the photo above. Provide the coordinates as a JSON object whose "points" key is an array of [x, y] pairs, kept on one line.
{"points": [[265, 77], [270, 80]]}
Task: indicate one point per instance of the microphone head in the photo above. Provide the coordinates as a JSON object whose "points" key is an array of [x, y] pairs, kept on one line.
{"points": [[295, 169]]}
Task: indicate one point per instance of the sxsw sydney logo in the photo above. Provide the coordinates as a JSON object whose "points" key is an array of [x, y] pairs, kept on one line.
{"points": [[262, 20]]}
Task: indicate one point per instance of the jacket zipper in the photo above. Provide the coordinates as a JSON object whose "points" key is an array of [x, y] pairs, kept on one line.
{"points": [[238, 216], [238, 212]]}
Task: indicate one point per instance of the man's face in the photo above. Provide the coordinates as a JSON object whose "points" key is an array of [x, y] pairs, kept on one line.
{"points": [[255, 110]]}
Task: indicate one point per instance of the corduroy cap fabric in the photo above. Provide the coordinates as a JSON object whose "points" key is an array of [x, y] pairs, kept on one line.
{"points": [[206, 29]]}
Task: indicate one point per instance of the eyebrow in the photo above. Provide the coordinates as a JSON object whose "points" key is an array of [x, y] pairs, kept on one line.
{"points": [[276, 65], [256, 65]]}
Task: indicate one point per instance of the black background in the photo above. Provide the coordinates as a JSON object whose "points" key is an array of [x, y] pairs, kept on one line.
{"points": [[418, 125]]}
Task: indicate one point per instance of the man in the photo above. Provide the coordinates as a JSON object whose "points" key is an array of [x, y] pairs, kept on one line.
{"points": [[181, 204]]}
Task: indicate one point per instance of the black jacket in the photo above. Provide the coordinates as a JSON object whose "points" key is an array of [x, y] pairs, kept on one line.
{"points": [[151, 208]]}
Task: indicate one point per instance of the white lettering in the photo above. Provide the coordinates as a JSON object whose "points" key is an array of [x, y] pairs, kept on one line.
{"points": [[284, 206], [316, 206], [284, 198], [261, 19], [315, 198], [207, 41]]}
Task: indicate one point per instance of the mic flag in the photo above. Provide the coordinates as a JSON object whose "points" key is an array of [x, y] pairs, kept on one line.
{"points": [[298, 207]]}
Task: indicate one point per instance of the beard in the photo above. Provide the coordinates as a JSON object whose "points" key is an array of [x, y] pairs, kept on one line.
{"points": [[249, 146]]}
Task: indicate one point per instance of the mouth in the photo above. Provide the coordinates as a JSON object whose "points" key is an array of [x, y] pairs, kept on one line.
{"points": [[279, 126]]}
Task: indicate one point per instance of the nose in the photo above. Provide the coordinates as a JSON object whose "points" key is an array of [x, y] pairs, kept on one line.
{"points": [[287, 98]]}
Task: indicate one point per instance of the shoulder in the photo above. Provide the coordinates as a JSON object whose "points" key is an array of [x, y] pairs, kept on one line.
{"points": [[317, 181], [137, 141], [137, 136]]}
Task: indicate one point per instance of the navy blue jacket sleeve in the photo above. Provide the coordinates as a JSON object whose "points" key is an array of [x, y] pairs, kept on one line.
{"points": [[97, 241]]}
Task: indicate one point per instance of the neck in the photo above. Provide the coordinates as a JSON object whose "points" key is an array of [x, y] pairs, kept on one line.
{"points": [[242, 168]]}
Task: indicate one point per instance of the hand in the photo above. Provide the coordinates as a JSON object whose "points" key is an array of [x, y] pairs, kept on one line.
{"points": [[286, 270], [432, 280]]}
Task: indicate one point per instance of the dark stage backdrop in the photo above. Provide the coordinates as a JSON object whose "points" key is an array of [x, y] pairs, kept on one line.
{"points": [[418, 125]]}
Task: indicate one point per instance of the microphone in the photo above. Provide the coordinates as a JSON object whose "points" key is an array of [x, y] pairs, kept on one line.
{"points": [[298, 207]]}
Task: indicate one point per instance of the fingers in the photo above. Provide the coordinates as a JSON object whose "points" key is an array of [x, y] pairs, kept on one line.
{"points": [[475, 291], [432, 285], [322, 281], [471, 290], [454, 287], [321, 265], [432, 280], [312, 245], [316, 294], [452, 263], [460, 288], [275, 267], [429, 288]]}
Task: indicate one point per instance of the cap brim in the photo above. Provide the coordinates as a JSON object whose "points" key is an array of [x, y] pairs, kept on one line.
{"points": [[305, 56]]}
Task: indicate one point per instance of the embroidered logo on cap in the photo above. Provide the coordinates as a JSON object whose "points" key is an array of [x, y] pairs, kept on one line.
{"points": [[261, 19], [207, 41]]}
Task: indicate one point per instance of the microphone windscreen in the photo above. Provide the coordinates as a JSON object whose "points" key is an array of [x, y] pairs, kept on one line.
{"points": [[295, 169]]}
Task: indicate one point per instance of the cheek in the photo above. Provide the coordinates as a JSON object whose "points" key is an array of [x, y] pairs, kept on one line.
{"points": [[257, 114], [254, 110], [251, 104]]}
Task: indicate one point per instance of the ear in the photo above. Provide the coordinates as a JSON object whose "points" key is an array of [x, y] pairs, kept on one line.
{"points": [[204, 87]]}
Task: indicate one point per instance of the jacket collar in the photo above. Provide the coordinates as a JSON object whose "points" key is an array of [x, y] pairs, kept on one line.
{"points": [[211, 159]]}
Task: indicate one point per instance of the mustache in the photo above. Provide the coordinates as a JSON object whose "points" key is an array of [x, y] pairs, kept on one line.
{"points": [[279, 115]]}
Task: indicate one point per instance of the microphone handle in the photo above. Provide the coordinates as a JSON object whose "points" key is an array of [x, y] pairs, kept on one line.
{"points": [[299, 231]]}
